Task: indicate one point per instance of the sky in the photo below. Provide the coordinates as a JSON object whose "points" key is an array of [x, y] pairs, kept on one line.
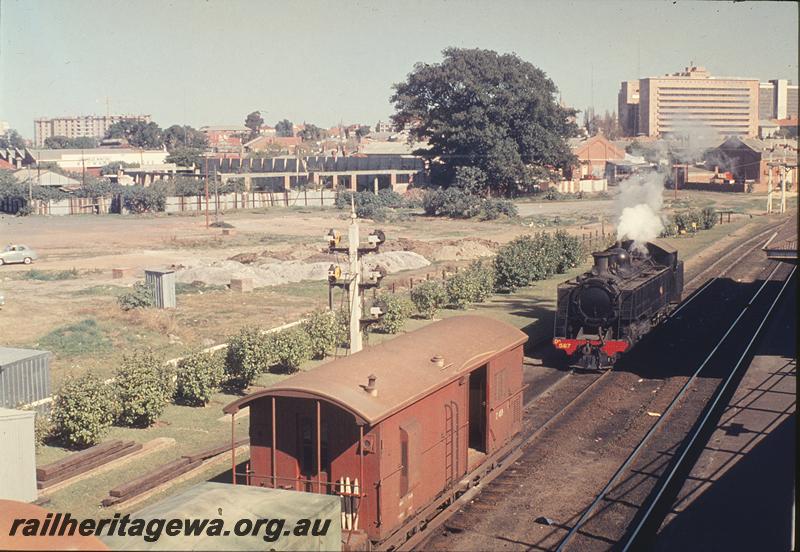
{"points": [[211, 62]]}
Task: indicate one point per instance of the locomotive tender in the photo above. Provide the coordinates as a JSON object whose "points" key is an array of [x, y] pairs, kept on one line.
{"points": [[398, 431], [629, 290]]}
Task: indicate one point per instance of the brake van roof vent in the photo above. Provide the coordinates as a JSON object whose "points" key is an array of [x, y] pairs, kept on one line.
{"points": [[371, 388]]}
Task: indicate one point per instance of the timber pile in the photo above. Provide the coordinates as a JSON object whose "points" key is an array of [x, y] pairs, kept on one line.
{"points": [[165, 473], [84, 461]]}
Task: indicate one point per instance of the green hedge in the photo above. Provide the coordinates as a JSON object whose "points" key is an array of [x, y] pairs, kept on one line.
{"points": [[526, 259], [396, 310], [248, 355], [323, 333], [83, 410], [144, 386], [289, 349], [198, 377], [429, 296]]}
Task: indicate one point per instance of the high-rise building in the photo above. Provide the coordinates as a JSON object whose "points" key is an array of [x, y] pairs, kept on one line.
{"points": [[92, 126], [777, 99], [628, 108], [691, 101]]}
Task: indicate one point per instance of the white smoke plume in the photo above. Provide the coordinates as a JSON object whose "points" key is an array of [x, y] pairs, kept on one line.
{"points": [[690, 139], [639, 209]]}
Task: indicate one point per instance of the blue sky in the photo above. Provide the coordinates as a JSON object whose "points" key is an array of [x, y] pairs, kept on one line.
{"points": [[212, 62]]}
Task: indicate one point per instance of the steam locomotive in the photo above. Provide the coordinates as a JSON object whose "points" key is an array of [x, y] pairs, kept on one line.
{"points": [[629, 290]]}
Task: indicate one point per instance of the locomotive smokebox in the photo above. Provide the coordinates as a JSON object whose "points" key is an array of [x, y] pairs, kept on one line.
{"points": [[600, 262]]}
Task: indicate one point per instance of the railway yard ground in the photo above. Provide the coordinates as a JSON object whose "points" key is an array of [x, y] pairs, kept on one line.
{"points": [[582, 430], [69, 307]]}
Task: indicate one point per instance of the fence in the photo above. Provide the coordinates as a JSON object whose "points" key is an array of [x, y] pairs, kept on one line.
{"points": [[251, 200], [583, 186], [68, 206], [176, 204]]}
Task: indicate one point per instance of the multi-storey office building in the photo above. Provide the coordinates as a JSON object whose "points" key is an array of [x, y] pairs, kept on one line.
{"points": [[692, 101], [92, 126], [777, 99]]}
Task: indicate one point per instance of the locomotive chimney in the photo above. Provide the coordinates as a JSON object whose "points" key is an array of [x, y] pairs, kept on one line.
{"points": [[600, 263]]}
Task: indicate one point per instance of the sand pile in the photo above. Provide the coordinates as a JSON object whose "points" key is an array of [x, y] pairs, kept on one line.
{"points": [[271, 273], [446, 250]]}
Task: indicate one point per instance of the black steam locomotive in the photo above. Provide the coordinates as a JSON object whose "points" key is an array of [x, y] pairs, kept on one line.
{"points": [[603, 312]]}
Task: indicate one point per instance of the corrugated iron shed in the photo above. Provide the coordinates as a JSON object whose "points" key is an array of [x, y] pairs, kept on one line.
{"points": [[402, 367], [162, 285], [24, 376], [17, 455]]}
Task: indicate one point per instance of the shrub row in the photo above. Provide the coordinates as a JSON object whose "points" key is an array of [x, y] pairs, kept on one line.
{"points": [[473, 285], [85, 407], [692, 220], [251, 351], [456, 202], [529, 258], [369, 205]]}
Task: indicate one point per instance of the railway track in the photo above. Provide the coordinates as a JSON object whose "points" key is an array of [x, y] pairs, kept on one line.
{"points": [[639, 483], [574, 389]]}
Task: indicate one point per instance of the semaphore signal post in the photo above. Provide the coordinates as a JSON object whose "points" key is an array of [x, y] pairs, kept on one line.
{"points": [[357, 279]]}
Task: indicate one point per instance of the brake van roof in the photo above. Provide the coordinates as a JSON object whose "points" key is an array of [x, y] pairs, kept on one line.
{"points": [[402, 367]]}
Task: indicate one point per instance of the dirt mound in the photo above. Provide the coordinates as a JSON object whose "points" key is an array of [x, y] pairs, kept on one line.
{"points": [[273, 273], [446, 250]]}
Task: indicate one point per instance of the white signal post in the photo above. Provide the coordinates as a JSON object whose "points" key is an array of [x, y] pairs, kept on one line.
{"points": [[355, 281], [353, 287]]}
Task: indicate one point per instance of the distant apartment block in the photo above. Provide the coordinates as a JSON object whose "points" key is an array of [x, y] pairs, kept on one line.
{"points": [[691, 100], [383, 127], [91, 126], [777, 99]]}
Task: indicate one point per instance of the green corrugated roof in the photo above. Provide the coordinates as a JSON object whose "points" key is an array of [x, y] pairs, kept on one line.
{"points": [[10, 355], [207, 500]]}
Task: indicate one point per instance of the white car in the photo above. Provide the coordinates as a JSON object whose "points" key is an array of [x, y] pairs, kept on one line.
{"points": [[17, 253]]}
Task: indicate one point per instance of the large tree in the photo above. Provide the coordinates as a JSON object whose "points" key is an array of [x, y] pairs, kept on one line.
{"points": [[284, 128], [482, 109], [138, 133], [62, 142], [184, 136], [311, 133], [11, 139], [254, 121], [186, 157]]}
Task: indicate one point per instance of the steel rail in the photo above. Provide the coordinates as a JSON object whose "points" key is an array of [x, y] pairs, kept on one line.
{"points": [[720, 392], [657, 425], [725, 270]]}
